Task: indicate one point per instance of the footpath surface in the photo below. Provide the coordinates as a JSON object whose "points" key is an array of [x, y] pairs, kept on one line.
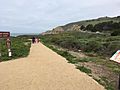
{"points": [[43, 69]]}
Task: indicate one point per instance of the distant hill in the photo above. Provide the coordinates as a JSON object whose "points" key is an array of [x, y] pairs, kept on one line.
{"points": [[76, 26]]}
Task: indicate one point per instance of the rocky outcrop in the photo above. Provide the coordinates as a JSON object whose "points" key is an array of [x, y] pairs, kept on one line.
{"points": [[73, 27], [56, 30], [46, 33], [61, 29]]}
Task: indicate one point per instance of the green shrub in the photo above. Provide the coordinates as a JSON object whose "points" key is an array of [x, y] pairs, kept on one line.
{"points": [[84, 69], [115, 33], [92, 46], [86, 59]]}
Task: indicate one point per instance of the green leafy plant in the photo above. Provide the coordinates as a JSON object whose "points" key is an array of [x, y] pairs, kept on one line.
{"points": [[84, 69]]}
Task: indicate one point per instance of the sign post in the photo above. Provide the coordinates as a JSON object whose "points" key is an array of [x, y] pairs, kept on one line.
{"points": [[8, 42], [116, 58]]}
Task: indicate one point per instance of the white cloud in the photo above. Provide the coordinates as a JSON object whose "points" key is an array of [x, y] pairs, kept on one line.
{"points": [[45, 14]]}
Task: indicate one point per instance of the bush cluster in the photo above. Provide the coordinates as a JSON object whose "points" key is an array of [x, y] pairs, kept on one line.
{"points": [[99, 44], [104, 26]]}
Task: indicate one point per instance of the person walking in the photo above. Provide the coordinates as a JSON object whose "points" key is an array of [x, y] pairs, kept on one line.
{"points": [[36, 40], [33, 40]]}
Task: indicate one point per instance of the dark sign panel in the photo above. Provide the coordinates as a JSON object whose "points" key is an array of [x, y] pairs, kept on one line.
{"points": [[4, 34]]}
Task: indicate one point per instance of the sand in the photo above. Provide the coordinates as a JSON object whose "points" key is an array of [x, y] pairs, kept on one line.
{"points": [[43, 69]]}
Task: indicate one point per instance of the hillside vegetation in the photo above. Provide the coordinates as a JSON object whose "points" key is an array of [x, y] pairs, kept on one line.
{"points": [[102, 24], [95, 21], [103, 45]]}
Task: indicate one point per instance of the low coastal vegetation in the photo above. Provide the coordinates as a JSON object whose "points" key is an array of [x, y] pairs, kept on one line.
{"points": [[99, 44], [97, 48], [102, 27], [20, 47]]}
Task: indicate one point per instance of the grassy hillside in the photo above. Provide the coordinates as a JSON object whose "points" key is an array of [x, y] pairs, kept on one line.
{"points": [[102, 22], [94, 21]]}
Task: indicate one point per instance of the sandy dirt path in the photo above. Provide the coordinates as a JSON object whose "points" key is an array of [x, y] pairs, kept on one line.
{"points": [[43, 69]]}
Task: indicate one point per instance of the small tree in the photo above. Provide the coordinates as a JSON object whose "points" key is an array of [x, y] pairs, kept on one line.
{"points": [[89, 27], [82, 27], [115, 33]]}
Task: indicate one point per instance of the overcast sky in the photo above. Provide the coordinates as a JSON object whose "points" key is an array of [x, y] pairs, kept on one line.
{"points": [[36, 16]]}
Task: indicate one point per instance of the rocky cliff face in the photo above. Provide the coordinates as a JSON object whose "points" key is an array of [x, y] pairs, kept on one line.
{"points": [[73, 27], [56, 30], [61, 29]]}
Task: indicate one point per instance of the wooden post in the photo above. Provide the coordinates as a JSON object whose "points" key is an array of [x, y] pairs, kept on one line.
{"points": [[8, 42]]}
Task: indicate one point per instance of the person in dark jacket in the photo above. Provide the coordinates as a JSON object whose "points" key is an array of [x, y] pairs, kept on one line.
{"points": [[33, 40]]}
